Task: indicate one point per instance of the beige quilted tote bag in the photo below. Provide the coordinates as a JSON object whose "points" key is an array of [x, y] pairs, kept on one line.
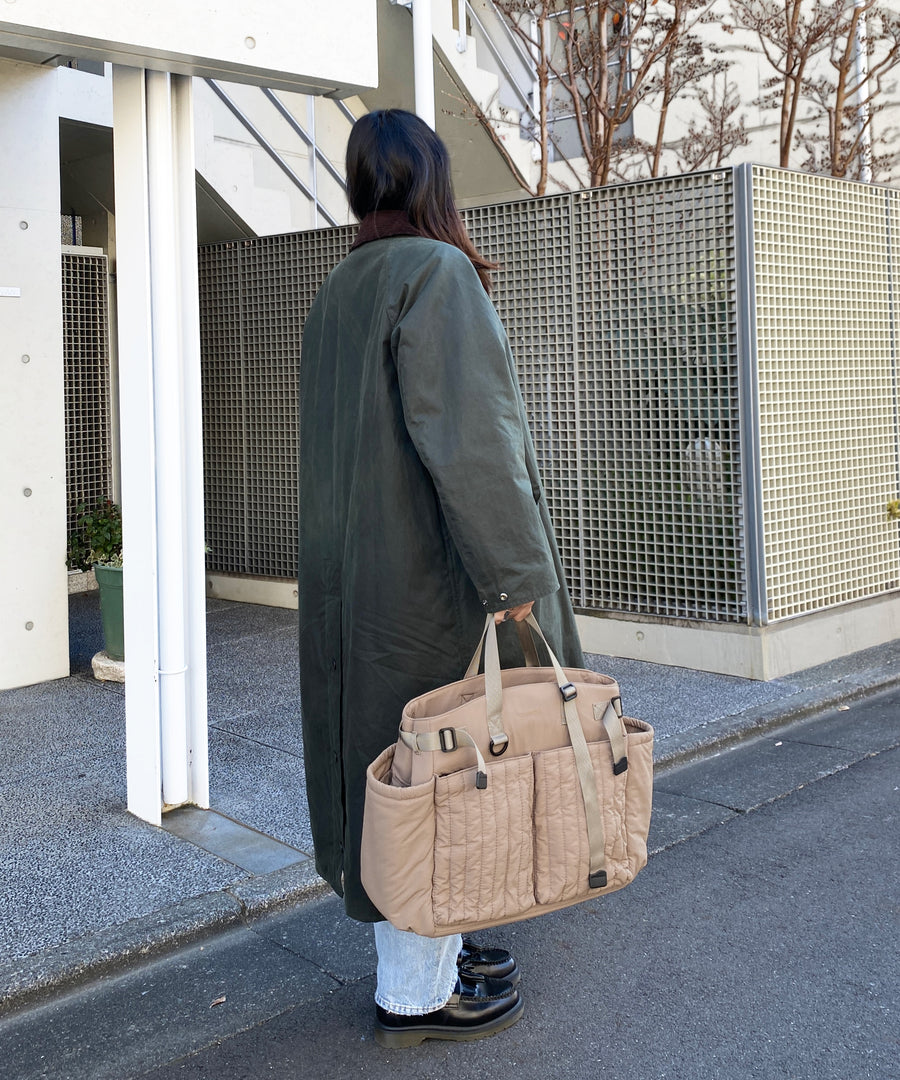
{"points": [[507, 795]]}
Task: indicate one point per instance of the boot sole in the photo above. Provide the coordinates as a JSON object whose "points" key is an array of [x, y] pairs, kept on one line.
{"points": [[394, 1039]]}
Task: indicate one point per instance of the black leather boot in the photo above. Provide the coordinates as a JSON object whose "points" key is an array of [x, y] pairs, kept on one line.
{"points": [[491, 963], [477, 1008]]}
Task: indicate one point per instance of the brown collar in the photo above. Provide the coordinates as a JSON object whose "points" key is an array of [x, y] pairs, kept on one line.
{"points": [[381, 224]]}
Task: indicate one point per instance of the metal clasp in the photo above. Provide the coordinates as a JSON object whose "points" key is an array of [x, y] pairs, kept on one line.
{"points": [[499, 744]]}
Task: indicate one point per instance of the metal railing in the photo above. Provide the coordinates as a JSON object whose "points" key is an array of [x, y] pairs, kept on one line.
{"points": [[297, 128]]}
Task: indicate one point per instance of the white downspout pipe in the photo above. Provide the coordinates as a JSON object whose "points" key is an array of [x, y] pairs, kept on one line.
{"points": [[536, 54], [423, 60], [165, 271], [192, 409], [138, 443], [313, 164]]}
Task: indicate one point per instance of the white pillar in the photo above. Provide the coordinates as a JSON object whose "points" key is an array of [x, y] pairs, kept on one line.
{"points": [[34, 637], [162, 490], [423, 60]]}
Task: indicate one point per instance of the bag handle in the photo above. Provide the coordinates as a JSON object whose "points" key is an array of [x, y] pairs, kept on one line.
{"points": [[499, 740], [526, 640], [492, 684]]}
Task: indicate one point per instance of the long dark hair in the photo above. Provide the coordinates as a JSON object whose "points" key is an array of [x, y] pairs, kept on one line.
{"points": [[396, 162]]}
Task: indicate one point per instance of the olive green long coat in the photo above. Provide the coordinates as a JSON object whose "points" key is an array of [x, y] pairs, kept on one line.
{"points": [[420, 509]]}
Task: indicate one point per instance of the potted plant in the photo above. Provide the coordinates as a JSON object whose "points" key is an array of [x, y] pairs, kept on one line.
{"points": [[96, 542]]}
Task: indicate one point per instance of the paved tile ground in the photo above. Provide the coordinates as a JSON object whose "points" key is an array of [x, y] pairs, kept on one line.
{"points": [[74, 862]]}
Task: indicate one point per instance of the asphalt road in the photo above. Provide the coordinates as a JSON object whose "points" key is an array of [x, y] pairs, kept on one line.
{"points": [[761, 941]]}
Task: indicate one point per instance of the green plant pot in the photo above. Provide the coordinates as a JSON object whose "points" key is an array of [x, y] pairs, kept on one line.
{"points": [[109, 578]]}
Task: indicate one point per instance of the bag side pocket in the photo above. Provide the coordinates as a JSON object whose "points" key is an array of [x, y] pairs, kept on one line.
{"points": [[483, 856], [561, 851], [638, 792], [397, 854]]}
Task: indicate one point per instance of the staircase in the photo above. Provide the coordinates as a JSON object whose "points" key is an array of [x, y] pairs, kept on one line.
{"points": [[495, 69], [274, 160]]}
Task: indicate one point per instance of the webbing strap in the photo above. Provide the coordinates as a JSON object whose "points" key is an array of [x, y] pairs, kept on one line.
{"points": [[529, 649], [586, 779], [446, 739], [588, 782], [615, 729], [493, 687]]}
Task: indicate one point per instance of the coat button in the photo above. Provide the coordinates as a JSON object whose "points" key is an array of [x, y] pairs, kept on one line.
{"points": [[504, 596], [333, 664]]}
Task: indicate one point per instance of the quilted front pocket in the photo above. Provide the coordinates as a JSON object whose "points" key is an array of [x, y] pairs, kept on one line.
{"points": [[561, 853], [483, 844]]}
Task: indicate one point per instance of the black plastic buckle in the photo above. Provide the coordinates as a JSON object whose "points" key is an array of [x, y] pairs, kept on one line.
{"points": [[480, 780], [617, 705], [597, 880], [447, 736], [620, 766], [568, 692]]}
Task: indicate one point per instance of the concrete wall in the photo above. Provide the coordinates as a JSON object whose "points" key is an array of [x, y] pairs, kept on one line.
{"points": [[279, 43], [34, 643]]}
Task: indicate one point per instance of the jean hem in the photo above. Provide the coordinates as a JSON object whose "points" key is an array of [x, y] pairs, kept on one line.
{"points": [[409, 1010], [416, 975], [417, 1010]]}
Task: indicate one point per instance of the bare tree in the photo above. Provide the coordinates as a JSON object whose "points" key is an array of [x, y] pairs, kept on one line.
{"points": [[602, 57], [529, 21], [849, 98], [791, 33], [716, 138], [533, 23], [688, 62]]}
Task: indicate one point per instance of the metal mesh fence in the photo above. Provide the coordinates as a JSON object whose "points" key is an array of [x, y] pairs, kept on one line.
{"points": [[620, 306], [254, 298], [534, 294], [86, 381], [827, 388], [661, 515]]}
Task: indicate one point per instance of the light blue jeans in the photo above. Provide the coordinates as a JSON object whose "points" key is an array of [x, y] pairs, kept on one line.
{"points": [[416, 974]]}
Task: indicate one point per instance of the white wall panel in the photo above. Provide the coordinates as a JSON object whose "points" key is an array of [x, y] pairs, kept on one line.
{"points": [[327, 47], [34, 643]]}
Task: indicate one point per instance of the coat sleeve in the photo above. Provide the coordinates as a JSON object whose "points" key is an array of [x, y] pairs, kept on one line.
{"points": [[464, 413]]}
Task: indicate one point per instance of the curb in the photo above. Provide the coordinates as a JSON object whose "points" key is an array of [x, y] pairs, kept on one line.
{"points": [[686, 747], [30, 980]]}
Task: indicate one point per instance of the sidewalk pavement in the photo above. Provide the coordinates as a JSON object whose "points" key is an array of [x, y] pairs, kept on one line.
{"points": [[89, 889], [760, 943]]}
